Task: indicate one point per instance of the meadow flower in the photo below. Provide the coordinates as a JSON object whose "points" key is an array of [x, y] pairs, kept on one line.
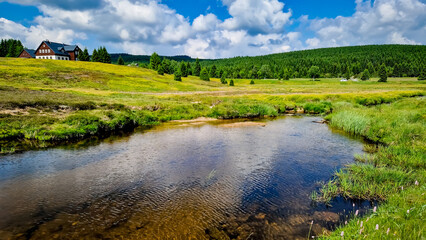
{"points": [[362, 223], [356, 212], [416, 183], [342, 233], [360, 231], [377, 226], [374, 209], [402, 187], [346, 222], [387, 231], [353, 204], [408, 211]]}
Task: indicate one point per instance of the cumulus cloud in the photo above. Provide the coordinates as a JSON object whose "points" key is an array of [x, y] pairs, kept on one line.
{"points": [[256, 16], [384, 21]]}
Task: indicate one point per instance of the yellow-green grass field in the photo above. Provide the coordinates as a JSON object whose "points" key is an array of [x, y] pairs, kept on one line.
{"points": [[45, 103]]}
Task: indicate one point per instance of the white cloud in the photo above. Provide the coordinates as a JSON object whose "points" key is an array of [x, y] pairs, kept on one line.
{"points": [[313, 42], [386, 21], [205, 23], [256, 16], [33, 35]]}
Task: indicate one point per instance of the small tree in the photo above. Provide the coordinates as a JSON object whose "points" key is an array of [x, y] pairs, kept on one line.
{"points": [[365, 75], [120, 61], [178, 76], [422, 75], [204, 75], [231, 83], [183, 69], [383, 76], [252, 82], [83, 55], [197, 68], [161, 70], [95, 56], [154, 61], [314, 72], [223, 79]]}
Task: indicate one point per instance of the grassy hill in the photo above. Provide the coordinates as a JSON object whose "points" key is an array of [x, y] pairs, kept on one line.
{"points": [[46, 102]]}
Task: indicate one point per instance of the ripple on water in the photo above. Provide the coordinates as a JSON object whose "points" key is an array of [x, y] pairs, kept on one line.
{"points": [[217, 180]]}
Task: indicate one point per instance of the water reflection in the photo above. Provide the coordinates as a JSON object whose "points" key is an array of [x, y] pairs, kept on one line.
{"points": [[204, 181]]}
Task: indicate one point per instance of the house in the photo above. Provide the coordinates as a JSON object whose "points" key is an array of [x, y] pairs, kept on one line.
{"points": [[27, 53], [57, 51]]}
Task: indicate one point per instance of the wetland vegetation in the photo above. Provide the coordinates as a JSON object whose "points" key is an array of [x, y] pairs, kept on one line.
{"points": [[46, 103]]}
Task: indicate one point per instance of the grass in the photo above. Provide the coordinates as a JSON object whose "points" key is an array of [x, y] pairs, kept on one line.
{"points": [[44, 103]]}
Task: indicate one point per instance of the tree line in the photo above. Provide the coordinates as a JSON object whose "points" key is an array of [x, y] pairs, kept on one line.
{"points": [[346, 62], [10, 48]]}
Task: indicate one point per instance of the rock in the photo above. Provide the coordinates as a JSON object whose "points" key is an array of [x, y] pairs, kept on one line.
{"points": [[326, 216]]}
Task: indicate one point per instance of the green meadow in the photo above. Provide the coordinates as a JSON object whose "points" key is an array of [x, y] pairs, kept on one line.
{"points": [[45, 103]]}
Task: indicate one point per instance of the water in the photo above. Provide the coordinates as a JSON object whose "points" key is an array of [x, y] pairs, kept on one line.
{"points": [[207, 181]]}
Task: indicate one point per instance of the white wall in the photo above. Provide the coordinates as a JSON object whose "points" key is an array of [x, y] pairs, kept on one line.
{"points": [[53, 57]]}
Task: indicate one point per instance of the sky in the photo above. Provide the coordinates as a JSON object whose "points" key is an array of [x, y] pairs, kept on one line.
{"points": [[213, 28]]}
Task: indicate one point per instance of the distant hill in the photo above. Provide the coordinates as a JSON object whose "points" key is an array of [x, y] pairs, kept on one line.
{"points": [[400, 60], [128, 58]]}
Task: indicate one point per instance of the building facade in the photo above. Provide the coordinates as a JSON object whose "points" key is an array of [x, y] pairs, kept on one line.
{"points": [[52, 50]]}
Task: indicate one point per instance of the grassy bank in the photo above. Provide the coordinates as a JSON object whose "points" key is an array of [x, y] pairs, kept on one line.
{"points": [[394, 172], [44, 103]]}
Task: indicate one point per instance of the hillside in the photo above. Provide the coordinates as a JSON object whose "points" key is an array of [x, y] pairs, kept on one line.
{"points": [[401, 60]]}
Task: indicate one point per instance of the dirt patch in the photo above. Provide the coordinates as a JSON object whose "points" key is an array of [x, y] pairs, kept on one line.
{"points": [[197, 120], [243, 124]]}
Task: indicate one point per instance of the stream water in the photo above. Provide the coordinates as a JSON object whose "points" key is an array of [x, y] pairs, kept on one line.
{"points": [[215, 180]]}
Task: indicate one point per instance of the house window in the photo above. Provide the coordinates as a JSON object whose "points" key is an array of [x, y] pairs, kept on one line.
{"points": [[50, 57], [48, 50]]}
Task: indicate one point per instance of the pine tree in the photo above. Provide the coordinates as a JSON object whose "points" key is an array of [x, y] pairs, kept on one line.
{"points": [[212, 73], [107, 57], [204, 75], [383, 76], [231, 83], [83, 55], [178, 76], [365, 75], [160, 69], [252, 81], [120, 61], [223, 79], [183, 70], [188, 69], [197, 68], [154, 61], [95, 57]]}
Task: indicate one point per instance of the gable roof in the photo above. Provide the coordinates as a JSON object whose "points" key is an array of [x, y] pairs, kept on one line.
{"points": [[31, 52], [57, 48]]}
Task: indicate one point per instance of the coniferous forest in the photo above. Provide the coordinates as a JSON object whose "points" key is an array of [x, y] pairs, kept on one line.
{"points": [[400, 61], [358, 61]]}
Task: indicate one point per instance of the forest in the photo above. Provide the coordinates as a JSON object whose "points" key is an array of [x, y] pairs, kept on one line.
{"points": [[10, 48], [358, 61]]}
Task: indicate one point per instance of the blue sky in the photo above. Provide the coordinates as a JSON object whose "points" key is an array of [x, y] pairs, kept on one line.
{"points": [[214, 28]]}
